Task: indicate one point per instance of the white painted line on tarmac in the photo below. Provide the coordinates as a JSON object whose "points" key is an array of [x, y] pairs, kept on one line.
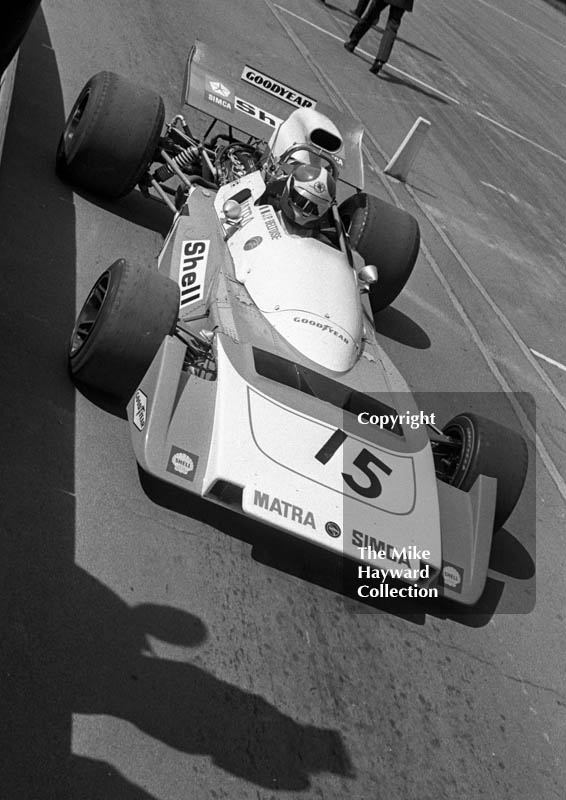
{"points": [[549, 360], [308, 22], [429, 87], [524, 24], [520, 136], [495, 188], [370, 55], [341, 102], [540, 446]]}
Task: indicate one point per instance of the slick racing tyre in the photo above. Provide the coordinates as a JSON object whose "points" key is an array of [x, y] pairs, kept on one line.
{"points": [[120, 328], [385, 236], [487, 448], [110, 137]]}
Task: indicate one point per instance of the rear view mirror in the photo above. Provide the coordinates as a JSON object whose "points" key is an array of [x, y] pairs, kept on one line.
{"points": [[368, 274]]}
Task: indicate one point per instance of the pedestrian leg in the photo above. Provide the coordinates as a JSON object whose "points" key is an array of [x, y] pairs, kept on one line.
{"points": [[390, 34], [360, 8], [365, 24]]}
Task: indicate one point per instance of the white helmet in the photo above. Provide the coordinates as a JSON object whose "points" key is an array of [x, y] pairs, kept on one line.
{"points": [[308, 194]]}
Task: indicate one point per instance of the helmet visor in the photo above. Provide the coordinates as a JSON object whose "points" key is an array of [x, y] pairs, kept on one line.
{"points": [[305, 205]]}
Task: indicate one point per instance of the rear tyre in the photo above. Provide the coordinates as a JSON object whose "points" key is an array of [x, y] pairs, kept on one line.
{"points": [[487, 448], [111, 135], [385, 236], [120, 328]]}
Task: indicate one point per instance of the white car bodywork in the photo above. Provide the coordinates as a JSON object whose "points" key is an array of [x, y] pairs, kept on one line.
{"points": [[268, 425]]}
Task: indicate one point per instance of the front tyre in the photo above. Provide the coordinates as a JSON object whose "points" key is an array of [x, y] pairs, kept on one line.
{"points": [[120, 328], [109, 140], [385, 236], [487, 448]]}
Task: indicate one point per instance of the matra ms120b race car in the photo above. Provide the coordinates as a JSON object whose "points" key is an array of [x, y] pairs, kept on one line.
{"points": [[246, 358]]}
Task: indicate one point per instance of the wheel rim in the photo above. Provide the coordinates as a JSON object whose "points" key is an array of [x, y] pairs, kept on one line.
{"points": [[449, 454], [74, 120], [89, 313]]}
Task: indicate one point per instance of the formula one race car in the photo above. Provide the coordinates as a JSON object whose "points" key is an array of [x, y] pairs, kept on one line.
{"points": [[248, 360]]}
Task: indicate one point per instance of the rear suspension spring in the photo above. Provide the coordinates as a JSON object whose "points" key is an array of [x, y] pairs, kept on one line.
{"points": [[188, 157]]}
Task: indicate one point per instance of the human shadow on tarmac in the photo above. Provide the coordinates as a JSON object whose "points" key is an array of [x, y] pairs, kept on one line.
{"points": [[386, 75], [37, 403], [112, 670], [69, 644]]}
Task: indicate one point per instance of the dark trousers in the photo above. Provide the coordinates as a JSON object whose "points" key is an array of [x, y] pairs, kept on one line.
{"points": [[361, 7], [390, 34]]}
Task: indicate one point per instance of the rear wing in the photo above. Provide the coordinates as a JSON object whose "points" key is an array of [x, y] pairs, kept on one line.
{"points": [[249, 100]]}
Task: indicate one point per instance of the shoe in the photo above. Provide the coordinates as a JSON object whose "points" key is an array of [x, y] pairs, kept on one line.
{"points": [[376, 67], [350, 46]]}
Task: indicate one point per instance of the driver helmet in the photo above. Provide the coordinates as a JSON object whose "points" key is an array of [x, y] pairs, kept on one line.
{"points": [[308, 194]]}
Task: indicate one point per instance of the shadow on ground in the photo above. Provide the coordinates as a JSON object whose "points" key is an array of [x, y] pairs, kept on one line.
{"points": [[510, 586], [351, 19], [147, 212], [69, 644], [113, 671], [388, 76], [330, 571], [394, 324]]}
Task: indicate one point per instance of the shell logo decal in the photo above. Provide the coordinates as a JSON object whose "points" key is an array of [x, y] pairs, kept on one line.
{"points": [[182, 463]]}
